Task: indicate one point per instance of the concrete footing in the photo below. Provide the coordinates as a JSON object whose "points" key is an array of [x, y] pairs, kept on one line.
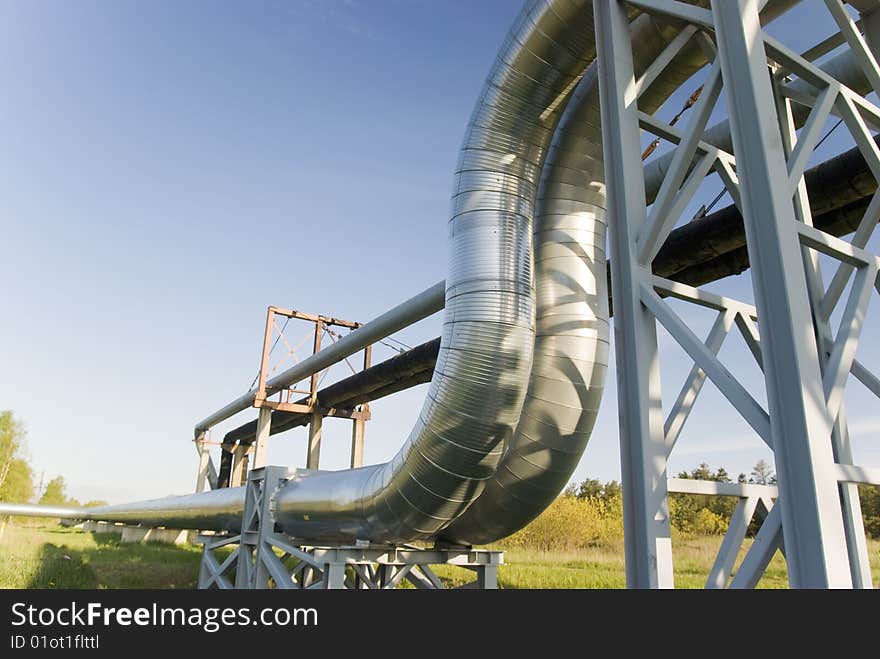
{"points": [[146, 534], [139, 533], [72, 523], [108, 527]]}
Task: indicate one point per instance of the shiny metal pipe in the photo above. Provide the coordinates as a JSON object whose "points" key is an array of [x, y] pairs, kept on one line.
{"points": [[426, 303], [571, 353], [573, 337], [485, 356], [499, 433], [35, 510], [217, 510], [480, 380]]}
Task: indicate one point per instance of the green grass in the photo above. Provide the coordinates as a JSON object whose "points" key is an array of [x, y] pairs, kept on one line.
{"points": [[47, 556], [603, 568], [40, 556]]}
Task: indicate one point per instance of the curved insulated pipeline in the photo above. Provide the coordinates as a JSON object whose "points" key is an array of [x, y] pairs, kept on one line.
{"points": [[514, 394], [572, 340], [479, 384]]}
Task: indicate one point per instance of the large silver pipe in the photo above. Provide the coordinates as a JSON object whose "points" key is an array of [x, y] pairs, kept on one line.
{"points": [[217, 510], [479, 384], [36, 510], [426, 303], [485, 357], [459, 448], [572, 342], [572, 338]]}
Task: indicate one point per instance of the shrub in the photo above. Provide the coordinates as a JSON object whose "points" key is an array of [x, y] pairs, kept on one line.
{"points": [[708, 523], [570, 523]]}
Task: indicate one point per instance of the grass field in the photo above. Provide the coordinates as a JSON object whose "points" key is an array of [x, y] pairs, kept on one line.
{"points": [[47, 556]]}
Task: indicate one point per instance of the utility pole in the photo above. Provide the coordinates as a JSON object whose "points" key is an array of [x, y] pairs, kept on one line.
{"points": [[39, 491]]}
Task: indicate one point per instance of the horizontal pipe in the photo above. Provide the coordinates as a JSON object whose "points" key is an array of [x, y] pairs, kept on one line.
{"points": [[36, 510], [217, 510], [831, 185], [426, 303], [734, 261]]}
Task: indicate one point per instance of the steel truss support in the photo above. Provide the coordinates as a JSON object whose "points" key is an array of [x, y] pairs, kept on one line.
{"points": [[805, 363], [753, 500], [263, 558], [642, 448], [207, 474]]}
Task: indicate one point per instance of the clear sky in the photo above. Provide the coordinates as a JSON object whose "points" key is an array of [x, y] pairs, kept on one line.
{"points": [[170, 169]]}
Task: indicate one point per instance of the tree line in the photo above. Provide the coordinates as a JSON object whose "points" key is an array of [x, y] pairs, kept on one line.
{"points": [[16, 474], [689, 513], [706, 514]]}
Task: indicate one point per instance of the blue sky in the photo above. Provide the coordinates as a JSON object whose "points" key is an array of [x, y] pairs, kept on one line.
{"points": [[170, 169]]}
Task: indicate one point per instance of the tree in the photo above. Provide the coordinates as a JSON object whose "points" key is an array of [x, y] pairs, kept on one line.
{"points": [[54, 494], [702, 513], [18, 487], [95, 503], [612, 489], [762, 474], [590, 488], [12, 435], [702, 473], [870, 500], [593, 489]]}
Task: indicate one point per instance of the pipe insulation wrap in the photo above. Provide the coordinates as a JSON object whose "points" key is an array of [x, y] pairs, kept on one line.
{"points": [[476, 395], [573, 332], [524, 348]]}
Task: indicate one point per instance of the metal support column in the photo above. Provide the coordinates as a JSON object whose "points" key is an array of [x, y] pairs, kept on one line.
{"points": [[261, 441], [204, 462], [357, 443], [313, 381], [860, 568], [257, 526], [313, 456], [359, 423], [239, 466], [800, 426], [316, 426], [642, 446]]}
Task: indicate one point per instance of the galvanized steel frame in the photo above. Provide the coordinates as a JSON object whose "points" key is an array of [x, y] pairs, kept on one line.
{"points": [[254, 563], [818, 509]]}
